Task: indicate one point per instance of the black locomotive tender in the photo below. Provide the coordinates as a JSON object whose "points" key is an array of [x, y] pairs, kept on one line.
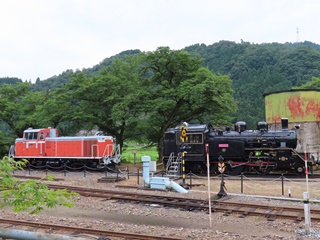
{"points": [[238, 150]]}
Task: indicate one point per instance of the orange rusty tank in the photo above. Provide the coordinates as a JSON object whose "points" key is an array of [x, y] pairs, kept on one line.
{"points": [[302, 108]]}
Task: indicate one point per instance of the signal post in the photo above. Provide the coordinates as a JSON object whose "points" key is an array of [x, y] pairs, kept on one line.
{"points": [[183, 138], [221, 168]]}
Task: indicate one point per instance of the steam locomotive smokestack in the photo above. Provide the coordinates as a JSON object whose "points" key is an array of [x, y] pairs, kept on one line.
{"points": [[284, 123]]}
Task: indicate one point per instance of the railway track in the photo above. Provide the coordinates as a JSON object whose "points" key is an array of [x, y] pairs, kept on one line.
{"points": [[190, 204], [76, 231]]}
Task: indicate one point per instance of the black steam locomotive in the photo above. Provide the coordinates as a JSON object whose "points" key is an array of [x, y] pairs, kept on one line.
{"points": [[238, 150]]}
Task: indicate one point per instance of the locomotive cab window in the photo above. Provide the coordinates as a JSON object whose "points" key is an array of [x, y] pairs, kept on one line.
{"points": [[31, 135], [195, 138], [42, 136], [169, 136]]}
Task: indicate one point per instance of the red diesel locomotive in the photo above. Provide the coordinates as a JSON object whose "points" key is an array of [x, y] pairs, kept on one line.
{"points": [[44, 146]]}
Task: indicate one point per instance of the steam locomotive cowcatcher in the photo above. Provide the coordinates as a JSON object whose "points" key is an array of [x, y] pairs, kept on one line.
{"points": [[241, 150]]}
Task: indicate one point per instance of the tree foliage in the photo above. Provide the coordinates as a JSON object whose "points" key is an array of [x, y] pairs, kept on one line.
{"points": [[180, 89], [18, 106], [313, 84], [109, 100], [28, 195]]}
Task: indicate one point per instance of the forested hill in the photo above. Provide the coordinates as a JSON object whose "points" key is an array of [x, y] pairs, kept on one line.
{"points": [[259, 68], [254, 68], [10, 80]]}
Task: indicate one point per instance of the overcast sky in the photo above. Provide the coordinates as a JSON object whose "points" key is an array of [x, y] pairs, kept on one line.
{"points": [[43, 38]]}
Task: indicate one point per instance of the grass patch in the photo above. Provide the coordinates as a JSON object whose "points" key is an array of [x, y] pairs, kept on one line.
{"points": [[127, 155]]}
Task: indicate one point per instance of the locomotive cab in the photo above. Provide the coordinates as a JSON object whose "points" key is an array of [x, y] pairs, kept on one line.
{"points": [[193, 146], [33, 142], [40, 134]]}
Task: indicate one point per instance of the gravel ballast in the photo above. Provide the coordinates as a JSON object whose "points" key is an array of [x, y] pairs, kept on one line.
{"points": [[156, 220]]}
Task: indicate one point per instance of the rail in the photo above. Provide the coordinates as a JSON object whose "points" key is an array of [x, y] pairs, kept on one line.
{"points": [[271, 212], [78, 230]]}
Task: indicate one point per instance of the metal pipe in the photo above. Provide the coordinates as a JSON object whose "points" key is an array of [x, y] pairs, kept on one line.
{"points": [[26, 235], [146, 169], [165, 181]]}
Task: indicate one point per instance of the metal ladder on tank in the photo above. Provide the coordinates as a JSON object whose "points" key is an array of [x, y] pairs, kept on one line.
{"points": [[173, 168]]}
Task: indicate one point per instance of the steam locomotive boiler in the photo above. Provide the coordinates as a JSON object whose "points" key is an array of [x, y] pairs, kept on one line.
{"points": [[45, 146], [240, 150]]}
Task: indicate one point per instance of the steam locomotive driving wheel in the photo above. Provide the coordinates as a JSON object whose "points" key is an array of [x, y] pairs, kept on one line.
{"points": [[299, 169], [199, 167], [234, 170]]}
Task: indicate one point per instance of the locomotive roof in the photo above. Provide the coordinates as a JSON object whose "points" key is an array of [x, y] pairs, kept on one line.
{"points": [[32, 130], [196, 126]]}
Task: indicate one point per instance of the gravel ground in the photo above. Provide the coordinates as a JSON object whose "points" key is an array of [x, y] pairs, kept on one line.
{"points": [[156, 220]]}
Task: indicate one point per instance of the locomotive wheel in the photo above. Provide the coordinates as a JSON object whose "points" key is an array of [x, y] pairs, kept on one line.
{"points": [[213, 168], [199, 168], [299, 169], [234, 171], [263, 171]]}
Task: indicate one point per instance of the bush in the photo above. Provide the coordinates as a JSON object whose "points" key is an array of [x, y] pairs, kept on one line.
{"points": [[127, 155]]}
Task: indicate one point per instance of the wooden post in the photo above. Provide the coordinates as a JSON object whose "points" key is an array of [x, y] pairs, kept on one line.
{"points": [[134, 151]]}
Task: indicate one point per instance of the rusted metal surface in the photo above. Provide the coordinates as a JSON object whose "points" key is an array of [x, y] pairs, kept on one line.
{"points": [[302, 108], [296, 105]]}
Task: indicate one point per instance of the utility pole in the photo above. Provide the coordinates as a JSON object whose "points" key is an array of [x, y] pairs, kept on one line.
{"points": [[298, 38]]}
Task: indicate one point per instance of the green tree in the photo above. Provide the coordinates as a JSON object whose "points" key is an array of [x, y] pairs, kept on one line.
{"points": [[251, 86], [300, 65], [56, 112], [108, 101], [28, 195], [6, 139], [313, 84], [180, 89], [18, 105], [18, 111]]}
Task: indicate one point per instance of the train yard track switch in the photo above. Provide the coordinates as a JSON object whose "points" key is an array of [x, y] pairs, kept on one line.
{"points": [[221, 168]]}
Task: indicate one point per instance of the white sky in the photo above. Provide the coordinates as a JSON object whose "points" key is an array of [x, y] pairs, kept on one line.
{"points": [[43, 38]]}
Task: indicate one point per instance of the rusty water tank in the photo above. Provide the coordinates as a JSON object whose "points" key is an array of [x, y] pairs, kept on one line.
{"points": [[302, 108]]}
